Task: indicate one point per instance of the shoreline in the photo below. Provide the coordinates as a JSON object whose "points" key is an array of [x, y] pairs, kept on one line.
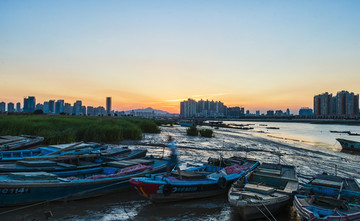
{"points": [[311, 121]]}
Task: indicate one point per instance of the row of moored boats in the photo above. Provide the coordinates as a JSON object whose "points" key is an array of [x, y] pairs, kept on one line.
{"points": [[255, 190]]}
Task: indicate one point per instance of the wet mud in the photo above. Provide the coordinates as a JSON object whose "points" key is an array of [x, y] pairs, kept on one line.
{"points": [[309, 154]]}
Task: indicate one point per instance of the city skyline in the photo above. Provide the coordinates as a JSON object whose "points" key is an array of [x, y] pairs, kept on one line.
{"points": [[108, 105], [259, 55]]}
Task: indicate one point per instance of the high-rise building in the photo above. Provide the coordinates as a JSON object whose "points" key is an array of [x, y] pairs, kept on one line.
{"points": [[51, 106], [29, 104], [279, 113], [344, 103], [270, 113], [99, 111], [234, 112], [305, 111], [108, 105], [2, 107], [83, 111], [59, 107], [90, 111], [322, 104], [68, 109], [188, 108], [26, 105], [18, 107], [10, 107], [347, 103], [77, 108], [191, 108], [46, 107], [32, 103], [39, 107]]}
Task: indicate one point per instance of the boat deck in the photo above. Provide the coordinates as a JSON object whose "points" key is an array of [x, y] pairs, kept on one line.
{"points": [[276, 170], [335, 182]]}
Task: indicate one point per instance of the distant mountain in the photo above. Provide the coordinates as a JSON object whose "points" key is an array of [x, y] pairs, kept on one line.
{"points": [[149, 110]]}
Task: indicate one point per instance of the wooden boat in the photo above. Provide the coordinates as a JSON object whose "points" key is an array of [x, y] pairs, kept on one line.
{"points": [[31, 187], [54, 153], [353, 134], [186, 124], [197, 182], [130, 154], [69, 164], [264, 192], [273, 128], [340, 131], [349, 145], [19, 142], [328, 197], [245, 128]]}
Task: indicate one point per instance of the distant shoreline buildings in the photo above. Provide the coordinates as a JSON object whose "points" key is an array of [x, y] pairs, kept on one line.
{"points": [[343, 104], [59, 107], [216, 109]]}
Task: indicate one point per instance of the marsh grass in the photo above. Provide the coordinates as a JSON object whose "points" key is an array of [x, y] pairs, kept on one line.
{"points": [[67, 129]]}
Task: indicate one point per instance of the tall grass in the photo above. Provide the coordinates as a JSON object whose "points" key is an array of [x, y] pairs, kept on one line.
{"points": [[67, 129]]}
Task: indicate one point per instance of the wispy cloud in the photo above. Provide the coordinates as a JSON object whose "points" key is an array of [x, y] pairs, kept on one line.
{"points": [[177, 100], [208, 96]]}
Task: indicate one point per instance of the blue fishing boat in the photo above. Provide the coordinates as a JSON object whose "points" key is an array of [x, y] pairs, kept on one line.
{"points": [[349, 146], [70, 164], [207, 180], [51, 152], [186, 124], [31, 187], [264, 192], [327, 198]]}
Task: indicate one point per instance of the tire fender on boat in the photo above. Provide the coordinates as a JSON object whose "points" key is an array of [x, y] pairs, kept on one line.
{"points": [[167, 189], [222, 183]]}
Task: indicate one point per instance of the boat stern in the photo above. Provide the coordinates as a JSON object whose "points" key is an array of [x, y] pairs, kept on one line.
{"points": [[145, 189]]}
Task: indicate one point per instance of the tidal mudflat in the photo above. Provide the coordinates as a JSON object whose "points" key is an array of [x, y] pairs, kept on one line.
{"points": [[312, 149]]}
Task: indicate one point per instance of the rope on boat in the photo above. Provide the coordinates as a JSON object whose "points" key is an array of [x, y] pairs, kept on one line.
{"points": [[269, 211], [262, 212], [266, 209], [61, 198]]}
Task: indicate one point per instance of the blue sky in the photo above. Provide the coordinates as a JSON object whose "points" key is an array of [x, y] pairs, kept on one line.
{"points": [[257, 54]]}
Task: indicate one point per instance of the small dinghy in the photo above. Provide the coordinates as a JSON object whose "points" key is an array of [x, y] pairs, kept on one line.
{"points": [[19, 142], [263, 192], [77, 150], [327, 198], [197, 182]]}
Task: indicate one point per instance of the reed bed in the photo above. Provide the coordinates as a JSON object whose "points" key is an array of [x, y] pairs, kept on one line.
{"points": [[67, 129]]}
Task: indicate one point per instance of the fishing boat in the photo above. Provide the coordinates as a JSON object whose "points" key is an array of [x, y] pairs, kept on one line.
{"points": [[186, 124], [349, 145], [264, 192], [32, 187], [77, 150], [340, 131], [328, 197], [120, 154], [19, 142], [70, 164], [353, 134], [210, 179]]}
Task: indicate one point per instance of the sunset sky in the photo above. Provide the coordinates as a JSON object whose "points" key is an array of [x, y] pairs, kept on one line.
{"points": [[256, 54]]}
